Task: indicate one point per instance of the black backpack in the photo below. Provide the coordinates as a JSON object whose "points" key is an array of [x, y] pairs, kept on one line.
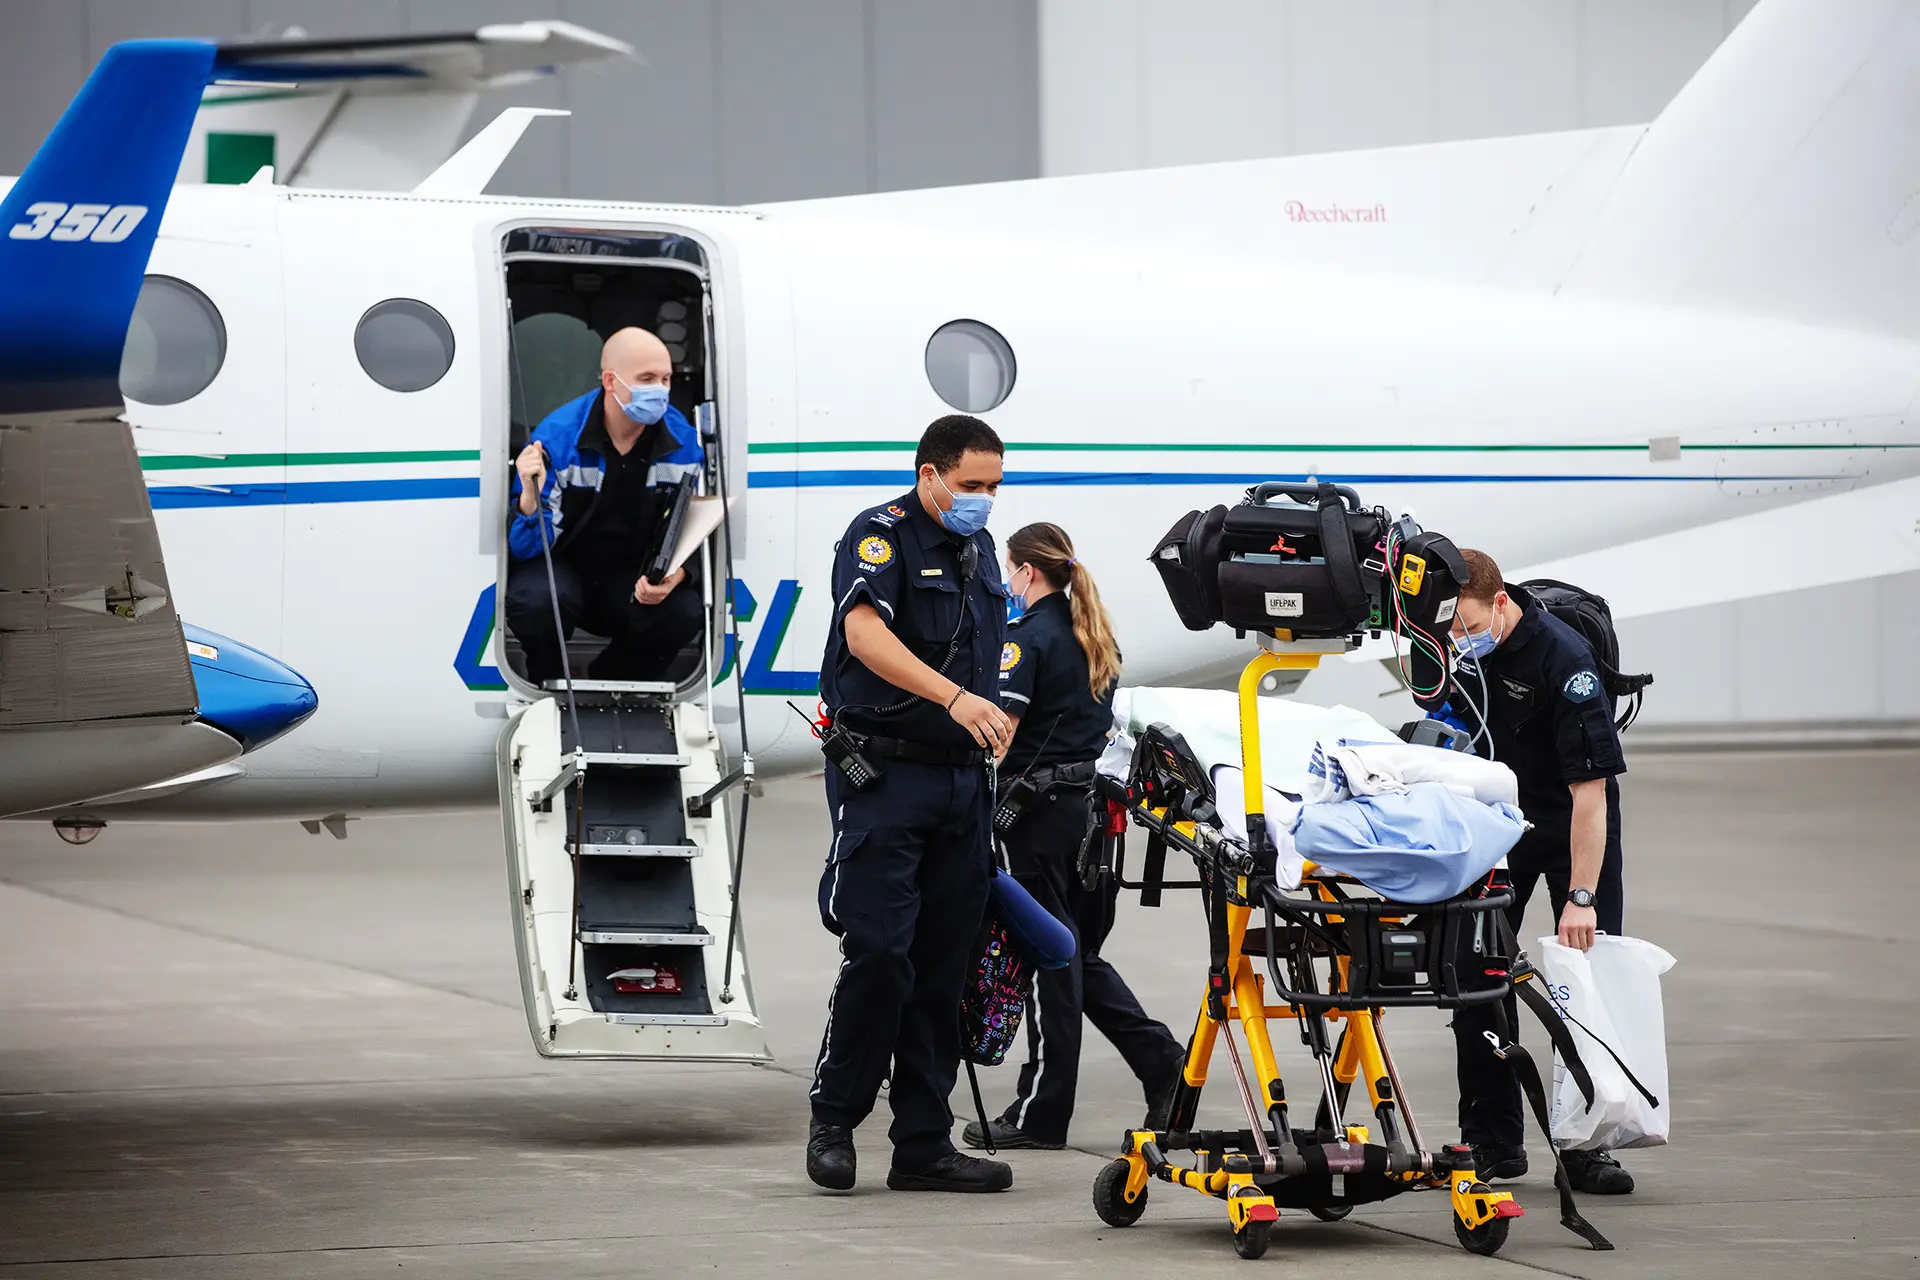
{"points": [[1589, 615]]}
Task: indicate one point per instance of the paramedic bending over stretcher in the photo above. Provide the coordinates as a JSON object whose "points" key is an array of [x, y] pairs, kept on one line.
{"points": [[1547, 718], [597, 472]]}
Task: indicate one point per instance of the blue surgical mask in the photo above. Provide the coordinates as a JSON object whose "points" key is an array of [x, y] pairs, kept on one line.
{"points": [[1475, 644], [644, 405], [969, 512]]}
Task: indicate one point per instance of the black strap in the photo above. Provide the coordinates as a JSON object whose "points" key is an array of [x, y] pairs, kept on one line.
{"points": [[1153, 869], [1528, 1073], [1625, 1070], [979, 1104], [1336, 544]]}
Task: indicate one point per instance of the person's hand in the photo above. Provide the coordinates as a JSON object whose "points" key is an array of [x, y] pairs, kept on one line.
{"points": [[1576, 927], [645, 592], [987, 723], [532, 466]]}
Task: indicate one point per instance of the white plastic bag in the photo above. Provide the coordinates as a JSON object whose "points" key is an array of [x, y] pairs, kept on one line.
{"points": [[1613, 993]]}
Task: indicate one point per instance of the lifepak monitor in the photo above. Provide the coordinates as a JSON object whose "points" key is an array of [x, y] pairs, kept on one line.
{"points": [[1309, 561]]}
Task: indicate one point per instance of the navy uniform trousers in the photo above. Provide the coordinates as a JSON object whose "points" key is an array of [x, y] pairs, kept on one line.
{"points": [[1491, 1107], [905, 887], [1042, 851]]}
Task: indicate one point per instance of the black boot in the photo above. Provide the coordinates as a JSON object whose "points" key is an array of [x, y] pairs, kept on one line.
{"points": [[1504, 1163], [1596, 1173], [953, 1172], [1006, 1136], [830, 1159], [1160, 1097]]}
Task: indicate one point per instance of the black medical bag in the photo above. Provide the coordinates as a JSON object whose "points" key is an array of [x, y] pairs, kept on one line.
{"points": [[1307, 559]]}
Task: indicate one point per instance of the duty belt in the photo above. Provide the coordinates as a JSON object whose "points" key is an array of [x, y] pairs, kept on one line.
{"points": [[1064, 775], [918, 752]]}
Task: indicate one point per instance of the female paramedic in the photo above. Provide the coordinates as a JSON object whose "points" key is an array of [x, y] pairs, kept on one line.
{"points": [[1058, 672]]}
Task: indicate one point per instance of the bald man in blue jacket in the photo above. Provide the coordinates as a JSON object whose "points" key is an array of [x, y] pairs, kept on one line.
{"points": [[595, 474]]}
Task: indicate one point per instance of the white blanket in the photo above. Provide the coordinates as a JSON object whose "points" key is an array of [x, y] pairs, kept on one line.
{"points": [[1209, 719], [1372, 770]]}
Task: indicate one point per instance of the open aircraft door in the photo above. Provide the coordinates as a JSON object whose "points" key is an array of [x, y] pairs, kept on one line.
{"points": [[623, 802]]}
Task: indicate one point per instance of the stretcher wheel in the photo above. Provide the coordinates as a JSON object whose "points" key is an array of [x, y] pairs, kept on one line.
{"points": [[1250, 1241], [1332, 1212], [1485, 1239], [1110, 1196]]}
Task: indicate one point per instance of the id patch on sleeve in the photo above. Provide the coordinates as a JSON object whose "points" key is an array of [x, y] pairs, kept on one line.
{"points": [[874, 552], [1010, 656], [1581, 686]]}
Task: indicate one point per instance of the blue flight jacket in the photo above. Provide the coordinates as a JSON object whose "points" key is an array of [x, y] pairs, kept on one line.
{"points": [[575, 471]]}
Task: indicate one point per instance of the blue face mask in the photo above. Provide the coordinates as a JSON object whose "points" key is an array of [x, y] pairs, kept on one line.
{"points": [[969, 512], [644, 405], [1476, 644]]}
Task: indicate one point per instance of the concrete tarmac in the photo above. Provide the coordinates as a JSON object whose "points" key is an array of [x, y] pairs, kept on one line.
{"points": [[244, 1051]]}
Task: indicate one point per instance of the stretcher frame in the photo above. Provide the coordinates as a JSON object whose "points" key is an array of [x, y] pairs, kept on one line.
{"points": [[1259, 1169]]}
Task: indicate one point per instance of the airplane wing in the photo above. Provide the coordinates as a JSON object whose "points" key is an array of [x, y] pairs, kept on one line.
{"points": [[1821, 542], [96, 691], [375, 113], [1843, 537]]}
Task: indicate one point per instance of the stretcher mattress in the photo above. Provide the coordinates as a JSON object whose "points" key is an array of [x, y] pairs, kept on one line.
{"points": [[1416, 824]]}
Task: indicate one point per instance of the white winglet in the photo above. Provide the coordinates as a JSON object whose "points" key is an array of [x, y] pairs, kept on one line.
{"points": [[467, 171]]}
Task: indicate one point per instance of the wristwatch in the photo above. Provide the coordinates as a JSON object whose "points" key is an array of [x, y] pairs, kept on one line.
{"points": [[1581, 897]]}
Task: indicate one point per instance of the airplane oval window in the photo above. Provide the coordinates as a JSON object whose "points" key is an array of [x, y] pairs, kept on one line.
{"points": [[404, 344], [970, 365], [176, 343]]}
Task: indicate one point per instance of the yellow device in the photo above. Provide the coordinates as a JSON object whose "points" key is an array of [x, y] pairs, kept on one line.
{"points": [[1413, 572]]}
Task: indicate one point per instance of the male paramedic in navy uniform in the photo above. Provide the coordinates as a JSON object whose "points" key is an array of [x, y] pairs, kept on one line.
{"points": [[912, 669], [1549, 721]]}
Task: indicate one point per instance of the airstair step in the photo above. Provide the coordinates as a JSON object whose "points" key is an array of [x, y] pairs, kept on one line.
{"points": [[638, 759], [622, 936], [654, 688], [666, 1019], [638, 850]]}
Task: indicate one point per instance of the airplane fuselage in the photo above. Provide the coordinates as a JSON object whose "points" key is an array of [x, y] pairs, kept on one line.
{"points": [[357, 533]]}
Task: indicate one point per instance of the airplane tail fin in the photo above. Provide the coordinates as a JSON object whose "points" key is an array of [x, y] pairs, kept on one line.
{"points": [[81, 223], [1784, 179]]}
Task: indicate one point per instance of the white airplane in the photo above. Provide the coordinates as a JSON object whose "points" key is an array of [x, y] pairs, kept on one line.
{"points": [[1676, 362]]}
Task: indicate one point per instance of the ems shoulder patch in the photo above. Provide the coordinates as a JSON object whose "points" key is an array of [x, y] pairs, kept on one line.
{"points": [[1010, 656], [874, 550], [1581, 686]]}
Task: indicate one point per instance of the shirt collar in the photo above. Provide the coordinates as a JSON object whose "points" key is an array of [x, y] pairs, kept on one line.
{"points": [[930, 532], [654, 443], [1053, 600], [1529, 625]]}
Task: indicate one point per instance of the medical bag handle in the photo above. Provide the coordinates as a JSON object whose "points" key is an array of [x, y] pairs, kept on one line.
{"points": [[1307, 495], [1336, 544]]}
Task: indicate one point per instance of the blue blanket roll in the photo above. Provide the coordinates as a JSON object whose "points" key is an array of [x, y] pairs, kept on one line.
{"points": [[1033, 928]]}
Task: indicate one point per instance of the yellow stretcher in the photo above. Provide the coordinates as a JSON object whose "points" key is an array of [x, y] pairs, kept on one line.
{"points": [[1336, 958]]}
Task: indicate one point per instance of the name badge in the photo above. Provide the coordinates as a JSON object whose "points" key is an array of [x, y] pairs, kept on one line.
{"points": [[931, 573]]}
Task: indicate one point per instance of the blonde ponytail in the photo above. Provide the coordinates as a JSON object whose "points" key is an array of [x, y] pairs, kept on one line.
{"points": [[1048, 549]]}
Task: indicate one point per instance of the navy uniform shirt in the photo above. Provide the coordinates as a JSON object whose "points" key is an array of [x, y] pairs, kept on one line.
{"points": [[1549, 719], [901, 561], [1043, 680]]}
